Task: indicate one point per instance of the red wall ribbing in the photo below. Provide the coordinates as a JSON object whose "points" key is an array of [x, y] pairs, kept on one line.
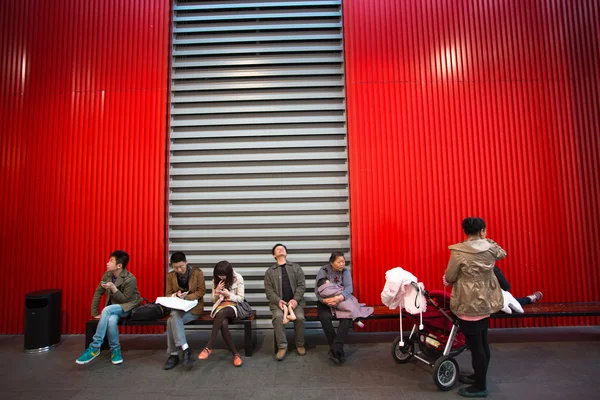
{"points": [[487, 108], [83, 94]]}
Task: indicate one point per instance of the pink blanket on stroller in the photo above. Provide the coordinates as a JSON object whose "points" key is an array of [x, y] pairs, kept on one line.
{"points": [[349, 308]]}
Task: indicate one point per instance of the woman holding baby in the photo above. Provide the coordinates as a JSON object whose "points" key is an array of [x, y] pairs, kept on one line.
{"points": [[333, 286]]}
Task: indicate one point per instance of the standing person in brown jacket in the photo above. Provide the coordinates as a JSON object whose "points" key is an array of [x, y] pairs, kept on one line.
{"points": [[186, 283], [475, 295]]}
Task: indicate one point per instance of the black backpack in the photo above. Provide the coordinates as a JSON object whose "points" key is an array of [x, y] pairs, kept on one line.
{"points": [[148, 312]]}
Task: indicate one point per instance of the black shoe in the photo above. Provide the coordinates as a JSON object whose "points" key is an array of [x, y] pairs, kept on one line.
{"points": [[172, 362], [342, 357], [333, 357], [467, 379], [188, 361], [472, 392]]}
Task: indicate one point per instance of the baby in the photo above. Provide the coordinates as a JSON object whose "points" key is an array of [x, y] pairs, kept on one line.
{"points": [[349, 308], [288, 314]]}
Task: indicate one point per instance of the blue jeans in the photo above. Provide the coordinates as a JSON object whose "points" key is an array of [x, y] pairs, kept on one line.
{"points": [[108, 326], [176, 331]]}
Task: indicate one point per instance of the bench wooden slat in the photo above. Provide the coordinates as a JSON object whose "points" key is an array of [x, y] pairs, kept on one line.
{"points": [[587, 309]]}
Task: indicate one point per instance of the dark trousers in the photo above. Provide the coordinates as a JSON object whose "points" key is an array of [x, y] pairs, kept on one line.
{"points": [[523, 300], [335, 340], [476, 334]]}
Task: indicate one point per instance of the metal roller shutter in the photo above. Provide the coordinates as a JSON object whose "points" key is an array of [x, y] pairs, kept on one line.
{"points": [[258, 137]]}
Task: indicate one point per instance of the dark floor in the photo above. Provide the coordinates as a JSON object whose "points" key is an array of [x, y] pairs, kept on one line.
{"points": [[529, 363]]}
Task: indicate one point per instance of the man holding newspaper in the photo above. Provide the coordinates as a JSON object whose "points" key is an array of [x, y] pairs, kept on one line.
{"points": [[186, 283]]}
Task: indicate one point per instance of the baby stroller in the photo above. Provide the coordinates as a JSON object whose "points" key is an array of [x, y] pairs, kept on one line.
{"points": [[438, 340]]}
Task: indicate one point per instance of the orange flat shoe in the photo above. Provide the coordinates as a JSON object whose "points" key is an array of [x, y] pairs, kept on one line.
{"points": [[237, 360], [204, 354]]}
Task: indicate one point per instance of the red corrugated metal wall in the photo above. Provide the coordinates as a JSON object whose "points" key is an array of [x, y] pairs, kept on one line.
{"points": [[83, 94], [487, 108]]}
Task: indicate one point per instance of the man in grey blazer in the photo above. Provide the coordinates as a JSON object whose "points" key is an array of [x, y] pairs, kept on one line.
{"points": [[285, 287]]}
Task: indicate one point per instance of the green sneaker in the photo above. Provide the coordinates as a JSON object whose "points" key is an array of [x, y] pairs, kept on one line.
{"points": [[115, 356], [88, 355]]}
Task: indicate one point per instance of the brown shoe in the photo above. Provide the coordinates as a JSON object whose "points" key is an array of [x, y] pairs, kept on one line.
{"points": [[281, 354], [301, 350]]}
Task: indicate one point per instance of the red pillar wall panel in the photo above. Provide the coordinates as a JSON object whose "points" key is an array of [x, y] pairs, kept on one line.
{"points": [[475, 108], [83, 116]]}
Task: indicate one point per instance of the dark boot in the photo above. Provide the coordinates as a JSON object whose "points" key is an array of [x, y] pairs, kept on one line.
{"points": [[188, 361], [172, 362], [334, 357]]}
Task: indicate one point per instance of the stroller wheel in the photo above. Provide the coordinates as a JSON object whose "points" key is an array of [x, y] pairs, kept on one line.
{"points": [[445, 372], [402, 354]]}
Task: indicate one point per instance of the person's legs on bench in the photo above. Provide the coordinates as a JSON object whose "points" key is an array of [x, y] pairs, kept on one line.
{"points": [[221, 322], [107, 326], [335, 340], [299, 330], [279, 332], [176, 339]]}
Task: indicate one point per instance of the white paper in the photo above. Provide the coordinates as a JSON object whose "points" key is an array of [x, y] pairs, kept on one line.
{"points": [[176, 303]]}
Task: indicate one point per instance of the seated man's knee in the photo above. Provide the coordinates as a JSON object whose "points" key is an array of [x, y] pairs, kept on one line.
{"points": [[107, 311], [175, 314]]}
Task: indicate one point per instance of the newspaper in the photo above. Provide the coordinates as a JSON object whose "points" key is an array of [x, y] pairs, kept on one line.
{"points": [[175, 303]]}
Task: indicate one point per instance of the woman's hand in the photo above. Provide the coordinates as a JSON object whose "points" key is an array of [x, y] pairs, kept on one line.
{"points": [[333, 301], [225, 293], [219, 287]]}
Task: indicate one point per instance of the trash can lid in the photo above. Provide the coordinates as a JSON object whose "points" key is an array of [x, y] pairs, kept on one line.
{"points": [[42, 293]]}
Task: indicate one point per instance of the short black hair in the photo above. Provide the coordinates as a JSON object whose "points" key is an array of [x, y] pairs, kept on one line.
{"points": [[335, 255], [321, 282], [276, 246], [473, 225], [121, 257], [178, 256]]}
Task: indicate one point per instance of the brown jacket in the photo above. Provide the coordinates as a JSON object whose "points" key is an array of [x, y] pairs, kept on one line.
{"points": [[196, 285], [476, 291], [127, 295]]}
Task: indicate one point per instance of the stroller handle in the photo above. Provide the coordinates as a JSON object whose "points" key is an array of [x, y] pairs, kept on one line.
{"points": [[416, 286]]}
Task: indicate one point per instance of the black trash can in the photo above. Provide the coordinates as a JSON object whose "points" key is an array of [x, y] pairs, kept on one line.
{"points": [[42, 320]]}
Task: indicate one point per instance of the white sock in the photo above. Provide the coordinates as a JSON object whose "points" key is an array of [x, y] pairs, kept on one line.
{"points": [[175, 354], [184, 347]]}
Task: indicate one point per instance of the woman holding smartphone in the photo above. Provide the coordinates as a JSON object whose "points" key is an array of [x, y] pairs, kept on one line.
{"points": [[227, 291]]}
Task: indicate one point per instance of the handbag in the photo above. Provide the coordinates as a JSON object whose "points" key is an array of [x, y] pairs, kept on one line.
{"points": [[244, 311], [148, 312]]}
